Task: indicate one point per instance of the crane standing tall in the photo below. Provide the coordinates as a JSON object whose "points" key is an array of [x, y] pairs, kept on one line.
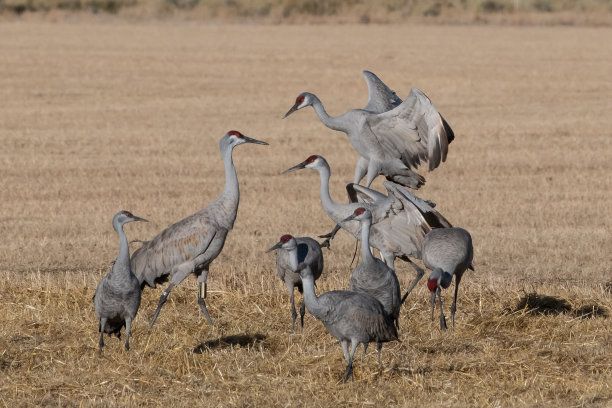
{"points": [[351, 317], [117, 296], [447, 252], [392, 142], [190, 245], [293, 251]]}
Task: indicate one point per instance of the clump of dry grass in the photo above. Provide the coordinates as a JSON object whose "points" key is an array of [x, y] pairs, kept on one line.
{"points": [[103, 117]]}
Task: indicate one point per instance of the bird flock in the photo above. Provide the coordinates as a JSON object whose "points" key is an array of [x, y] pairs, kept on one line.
{"points": [[393, 138]]}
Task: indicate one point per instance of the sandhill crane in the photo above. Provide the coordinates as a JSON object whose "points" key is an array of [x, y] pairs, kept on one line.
{"points": [[350, 317], [117, 296], [293, 251], [400, 219], [391, 143], [190, 245], [373, 276], [446, 252]]}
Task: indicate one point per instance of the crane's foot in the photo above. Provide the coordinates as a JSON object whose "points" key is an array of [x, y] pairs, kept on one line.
{"points": [[101, 344], [349, 371], [302, 313], [326, 244], [442, 322], [204, 310]]}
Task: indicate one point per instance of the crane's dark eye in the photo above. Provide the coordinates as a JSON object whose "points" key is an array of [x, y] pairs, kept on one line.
{"points": [[359, 211], [286, 238], [311, 159], [299, 100], [236, 133]]}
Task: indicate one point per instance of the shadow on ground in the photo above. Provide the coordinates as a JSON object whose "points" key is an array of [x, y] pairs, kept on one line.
{"points": [[537, 304], [242, 340]]}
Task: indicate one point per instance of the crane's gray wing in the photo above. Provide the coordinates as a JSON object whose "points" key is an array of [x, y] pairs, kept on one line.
{"points": [[413, 132], [179, 243], [361, 194], [418, 208], [381, 98]]}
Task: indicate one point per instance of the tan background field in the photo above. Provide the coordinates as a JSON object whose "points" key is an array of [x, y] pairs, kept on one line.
{"points": [[96, 117]]}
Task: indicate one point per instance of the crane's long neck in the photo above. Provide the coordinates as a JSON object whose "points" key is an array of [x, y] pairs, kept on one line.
{"points": [[335, 211], [121, 268], [326, 200], [315, 307], [366, 253], [227, 203], [332, 122], [231, 189], [293, 258]]}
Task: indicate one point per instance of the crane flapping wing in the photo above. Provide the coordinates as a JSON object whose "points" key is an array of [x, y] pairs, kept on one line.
{"points": [[381, 97], [413, 132], [360, 194], [424, 210]]}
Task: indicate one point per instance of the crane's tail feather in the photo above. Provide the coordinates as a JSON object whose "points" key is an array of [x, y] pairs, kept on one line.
{"points": [[408, 178]]}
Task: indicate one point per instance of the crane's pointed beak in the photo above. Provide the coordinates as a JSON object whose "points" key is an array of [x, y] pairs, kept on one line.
{"points": [[296, 167], [135, 218], [293, 109], [251, 140], [277, 246]]}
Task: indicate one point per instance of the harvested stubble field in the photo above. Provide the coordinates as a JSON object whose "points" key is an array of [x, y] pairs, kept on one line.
{"points": [[98, 117]]}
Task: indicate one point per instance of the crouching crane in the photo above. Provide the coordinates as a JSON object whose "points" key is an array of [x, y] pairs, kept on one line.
{"points": [[293, 251], [447, 252]]}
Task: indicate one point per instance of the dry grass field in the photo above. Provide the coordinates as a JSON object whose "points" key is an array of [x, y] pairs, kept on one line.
{"points": [[101, 116]]}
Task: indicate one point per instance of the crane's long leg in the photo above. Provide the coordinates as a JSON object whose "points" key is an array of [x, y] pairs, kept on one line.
{"points": [[162, 300], [420, 273], [432, 301], [454, 306], [345, 349], [329, 236], [102, 326], [293, 312], [361, 169], [128, 328], [302, 313], [202, 280], [365, 348], [442, 318], [349, 367], [378, 349]]}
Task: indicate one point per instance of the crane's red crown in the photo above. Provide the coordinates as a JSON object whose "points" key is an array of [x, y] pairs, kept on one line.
{"points": [[432, 284], [236, 133], [128, 214], [312, 158], [359, 211], [299, 100], [286, 238]]}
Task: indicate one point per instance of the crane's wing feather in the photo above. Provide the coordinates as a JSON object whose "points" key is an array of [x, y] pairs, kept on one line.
{"points": [[361, 194], [381, 97], [413, 132], [421, 210], [180, 242]]}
